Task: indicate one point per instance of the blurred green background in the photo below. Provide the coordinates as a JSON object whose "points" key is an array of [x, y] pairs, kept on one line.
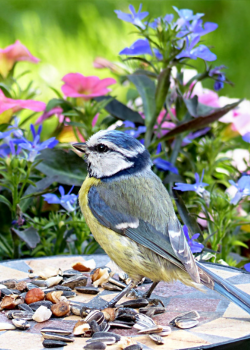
{"points": [[68, 34]]}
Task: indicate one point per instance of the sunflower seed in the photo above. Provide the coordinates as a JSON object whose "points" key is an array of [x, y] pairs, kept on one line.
{"points": [[37, 304], [185, 324], [55, 330], [87, 290], [25, 315], [157, 339], [95, 346], [48, 343], [104, 327], [121, 324], [117, 283], [106, 340], [40, 283], [151, 311], [107, 334], [25, 307], [75, 281], [191, 315], [154, 329], [134, 303], [95, 327], [21, 324], [110, 286], [64, 288], [70, 273], [57, 336], [133, 347], [96, 315]]}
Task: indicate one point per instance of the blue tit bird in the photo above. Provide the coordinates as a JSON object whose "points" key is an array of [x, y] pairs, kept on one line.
{"points": [[131, 216]]}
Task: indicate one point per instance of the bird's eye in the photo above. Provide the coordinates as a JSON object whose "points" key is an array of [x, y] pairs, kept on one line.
{"points": [[101, 148]]}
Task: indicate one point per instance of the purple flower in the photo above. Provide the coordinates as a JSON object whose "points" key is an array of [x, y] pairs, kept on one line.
{"points": [[139, 47], [197, 28], [4, 150], [187, 15], [193, 135], [195, 247], [200, 51], [12, 129], [197, 187], [164, 165], [247, 267], [220, 77], [35, 147], [243, 188], [67, 201], [134, 18], [134, 132]]}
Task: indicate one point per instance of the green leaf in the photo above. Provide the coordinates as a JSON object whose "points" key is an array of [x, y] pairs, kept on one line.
{"points": [[5, 201], [77, 124], [3, 127], [68, 167], [199, 122], [121, 111], [36, 190], [58, 93], [5, 90], [162, 90], [239, 243], [192, 106], [30, 236], [56, 102], [146, 89], [187, 219]]}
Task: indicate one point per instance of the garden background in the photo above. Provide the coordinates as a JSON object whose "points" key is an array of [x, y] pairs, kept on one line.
{"points": [[68, 34]]}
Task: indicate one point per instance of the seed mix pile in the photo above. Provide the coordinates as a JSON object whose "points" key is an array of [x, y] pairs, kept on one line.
{"points": [[49, 292]]}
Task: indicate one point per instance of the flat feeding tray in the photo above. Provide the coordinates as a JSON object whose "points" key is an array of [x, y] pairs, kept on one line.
{"points": [[223, 325]]}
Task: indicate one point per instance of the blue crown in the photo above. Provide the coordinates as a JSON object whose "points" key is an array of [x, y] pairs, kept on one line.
{"points": [[122, 140]]}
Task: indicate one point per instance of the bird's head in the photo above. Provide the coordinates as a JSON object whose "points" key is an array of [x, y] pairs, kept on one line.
{"points": [[110, 152]]}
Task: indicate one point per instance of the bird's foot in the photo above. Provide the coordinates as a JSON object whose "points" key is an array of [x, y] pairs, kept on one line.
{"points": [[138, 294]]}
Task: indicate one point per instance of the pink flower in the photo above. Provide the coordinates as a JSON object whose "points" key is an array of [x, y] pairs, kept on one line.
{"points": [[16, 105], [166, 124], [209, 98], [76, 85], [13, 53], [239, 117], [56, 110]]}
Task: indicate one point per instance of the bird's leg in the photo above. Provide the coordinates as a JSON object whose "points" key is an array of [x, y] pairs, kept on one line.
{"points": [[147, 294], [118, 297]]}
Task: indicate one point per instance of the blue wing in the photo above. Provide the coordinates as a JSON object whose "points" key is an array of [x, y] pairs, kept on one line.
{"points": [[128, 215]]}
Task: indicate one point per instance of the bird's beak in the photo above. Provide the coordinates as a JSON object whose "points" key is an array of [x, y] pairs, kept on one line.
{"points": [[82, 147]]}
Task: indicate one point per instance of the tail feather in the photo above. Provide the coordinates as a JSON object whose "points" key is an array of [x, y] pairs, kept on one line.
{"points": [[214, 282]]}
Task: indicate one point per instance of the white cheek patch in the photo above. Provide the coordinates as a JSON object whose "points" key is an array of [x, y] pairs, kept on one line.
{"points": [[107, 164]]}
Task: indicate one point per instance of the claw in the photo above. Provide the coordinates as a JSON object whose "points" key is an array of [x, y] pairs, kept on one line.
{"points": [[155, 302]]}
